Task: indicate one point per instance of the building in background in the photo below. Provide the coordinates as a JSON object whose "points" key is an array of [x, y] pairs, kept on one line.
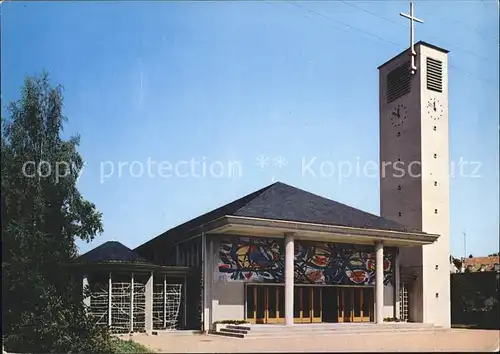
{"points": [[475, 264]]}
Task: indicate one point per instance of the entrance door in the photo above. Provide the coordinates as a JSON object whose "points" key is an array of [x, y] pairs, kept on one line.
{"points": [[355, 304], [272, 304], [367, 305], [281, 304], [357, 301], [261, 304], [345, 305], [308, 304], [317, 304], [266, 304], [251, 304], [330, 304]]}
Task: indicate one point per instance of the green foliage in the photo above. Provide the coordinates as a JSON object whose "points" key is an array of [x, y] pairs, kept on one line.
{"points": [[391, 319], [474, 299], [128, 346], [42, 215]]}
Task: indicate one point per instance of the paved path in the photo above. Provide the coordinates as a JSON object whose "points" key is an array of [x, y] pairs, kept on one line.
{"points": [[441, 341]]}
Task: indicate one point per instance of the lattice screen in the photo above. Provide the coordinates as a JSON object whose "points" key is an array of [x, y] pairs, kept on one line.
{"points": [[139, 306], [166, 306], [99, 304], [120, 307], [403, 300]]}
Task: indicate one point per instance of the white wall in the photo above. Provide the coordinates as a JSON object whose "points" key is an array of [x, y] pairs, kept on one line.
{"points": [[388, 301], [228, 302], [422, 193], [228, 298]]}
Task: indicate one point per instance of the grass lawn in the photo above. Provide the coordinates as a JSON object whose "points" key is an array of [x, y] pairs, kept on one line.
{"points": [[128, 346]]}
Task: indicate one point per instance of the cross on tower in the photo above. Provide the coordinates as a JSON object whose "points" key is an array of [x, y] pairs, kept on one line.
{"points": [[412, 19]]}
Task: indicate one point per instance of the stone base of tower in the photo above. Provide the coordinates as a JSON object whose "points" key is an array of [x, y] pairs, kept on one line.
{"points": [[427, 287], [414, 132]]}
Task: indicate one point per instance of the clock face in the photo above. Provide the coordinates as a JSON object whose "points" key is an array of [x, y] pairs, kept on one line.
{"points": [[435, 109], [399, 115]]}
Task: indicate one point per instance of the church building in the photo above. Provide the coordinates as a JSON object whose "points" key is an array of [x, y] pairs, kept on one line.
{"points": [[284, 255]]}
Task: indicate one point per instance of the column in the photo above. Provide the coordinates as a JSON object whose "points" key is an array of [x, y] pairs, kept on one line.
{"points": [[205, 261], [184, 296], [210, 274], [379, 282], [132, 302], [397, 286], [110, 290], [165, 300], [289, 278], [86, 294], [148, 316]]}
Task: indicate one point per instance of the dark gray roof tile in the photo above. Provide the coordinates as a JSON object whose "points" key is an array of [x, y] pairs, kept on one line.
{"points": [[111, 251], [283, 202], [280, 201]]}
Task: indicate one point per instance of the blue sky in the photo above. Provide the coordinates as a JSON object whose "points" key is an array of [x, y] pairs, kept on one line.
{"points": [[232, 81]]}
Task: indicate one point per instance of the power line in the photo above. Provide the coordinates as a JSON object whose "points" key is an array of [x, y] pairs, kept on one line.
{"points": [[279, 7], [467, 73], [373, 13], [453, 46], [342, 23]]}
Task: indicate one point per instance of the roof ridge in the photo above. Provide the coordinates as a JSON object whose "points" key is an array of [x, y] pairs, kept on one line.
{"points": [[109, 249], [246, 199], [351, 207], [258, 193]]}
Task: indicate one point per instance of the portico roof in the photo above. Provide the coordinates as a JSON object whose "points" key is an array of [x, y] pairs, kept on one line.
{"points": [[114, 256], [280, 208]]}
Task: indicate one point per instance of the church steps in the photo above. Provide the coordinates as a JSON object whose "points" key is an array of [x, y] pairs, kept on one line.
{"points": [[275, 331], [234, 330]]}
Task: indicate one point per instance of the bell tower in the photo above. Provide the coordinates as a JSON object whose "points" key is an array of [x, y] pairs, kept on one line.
{"points": [[414, 170]]}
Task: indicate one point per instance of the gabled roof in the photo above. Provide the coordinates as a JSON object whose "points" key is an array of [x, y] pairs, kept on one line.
{"points": [[283, 202], [111, 251], [280, 201]]}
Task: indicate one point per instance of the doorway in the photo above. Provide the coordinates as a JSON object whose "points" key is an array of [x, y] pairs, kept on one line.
{"points": [[312, 304], [266, 304], [355, 304]]}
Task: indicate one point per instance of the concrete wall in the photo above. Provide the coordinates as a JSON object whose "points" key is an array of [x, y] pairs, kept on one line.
{"points": [[424, 141], [436, 257], [228, 300], [401, 145], [388, 301]]}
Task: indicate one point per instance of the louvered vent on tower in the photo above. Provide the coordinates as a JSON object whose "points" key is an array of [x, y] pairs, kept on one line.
{"points": [[434, 75], [398, 82]]}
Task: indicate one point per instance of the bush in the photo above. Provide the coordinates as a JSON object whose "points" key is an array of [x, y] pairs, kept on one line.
{"points": [[391, 319], [128, 346]]}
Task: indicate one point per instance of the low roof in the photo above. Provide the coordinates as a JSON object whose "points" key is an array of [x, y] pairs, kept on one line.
{"points": [[111, 251], [283, 202]]}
